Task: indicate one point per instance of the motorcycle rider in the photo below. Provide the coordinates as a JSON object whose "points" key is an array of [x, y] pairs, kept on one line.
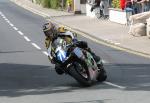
{"points": [[52, 32]]}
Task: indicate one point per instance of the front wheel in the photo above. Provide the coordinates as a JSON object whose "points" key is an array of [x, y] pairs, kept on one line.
{"points": [[79, 72]]}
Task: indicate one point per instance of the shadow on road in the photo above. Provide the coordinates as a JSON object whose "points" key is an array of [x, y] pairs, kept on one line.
{"points": [[20, 79], [132, 76]]}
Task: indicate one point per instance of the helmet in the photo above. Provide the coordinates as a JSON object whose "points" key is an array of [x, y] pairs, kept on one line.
{"points": [[49, 29], [61, 29]]}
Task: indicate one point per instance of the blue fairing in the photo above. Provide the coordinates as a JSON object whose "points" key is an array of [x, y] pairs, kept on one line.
{"points": [[78, 52], [61, 55]]}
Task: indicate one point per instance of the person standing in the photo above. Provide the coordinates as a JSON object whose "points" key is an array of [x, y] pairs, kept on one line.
{"points": [[69, 3], [144, 5], [135, 6], [104, 5]]}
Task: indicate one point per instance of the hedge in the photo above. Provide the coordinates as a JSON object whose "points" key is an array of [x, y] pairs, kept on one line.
{"points": [[116, 3], [51, 3]]}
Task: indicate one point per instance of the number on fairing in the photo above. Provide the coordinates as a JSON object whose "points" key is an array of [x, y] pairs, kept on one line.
{"points": [[61, 55]]}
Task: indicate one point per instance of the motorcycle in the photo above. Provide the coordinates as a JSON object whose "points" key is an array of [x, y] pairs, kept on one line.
{"points": [[78, 63]]}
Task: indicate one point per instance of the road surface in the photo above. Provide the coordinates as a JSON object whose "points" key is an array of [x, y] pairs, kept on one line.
{"points": [[26, 76]]}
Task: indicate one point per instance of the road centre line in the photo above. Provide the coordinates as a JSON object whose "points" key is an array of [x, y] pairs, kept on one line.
{"points": [[11, 24], [26, 38], [20, 33], [36, 46], [6, 19], [15, 28], [44, 52], [3, 15]]}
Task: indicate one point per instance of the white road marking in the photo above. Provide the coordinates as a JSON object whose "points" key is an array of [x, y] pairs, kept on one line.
{"points": [[8, 21], [36, 46], [11, 24], [26, 38], [4, 17], [44, 52], [114, 85], [15, 28], [20, 33]]}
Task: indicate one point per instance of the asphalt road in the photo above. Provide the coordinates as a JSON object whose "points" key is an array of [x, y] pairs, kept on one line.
{"points": [[26, 76]]}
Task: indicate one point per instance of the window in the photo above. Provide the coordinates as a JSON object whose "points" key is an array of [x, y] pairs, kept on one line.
{"points": [[83, 1]]}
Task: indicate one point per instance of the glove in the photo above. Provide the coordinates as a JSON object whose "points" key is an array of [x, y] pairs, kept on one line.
{"points": [[51, 60]]}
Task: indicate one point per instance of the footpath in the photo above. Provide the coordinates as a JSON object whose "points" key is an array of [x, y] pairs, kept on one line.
{"points": [[101, 31]]}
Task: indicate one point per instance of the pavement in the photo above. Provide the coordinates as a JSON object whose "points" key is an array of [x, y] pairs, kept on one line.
{"points": [[101, 31]]}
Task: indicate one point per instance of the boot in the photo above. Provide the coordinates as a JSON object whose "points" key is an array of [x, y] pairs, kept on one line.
{"points": [[102, 73], [100, 65], [59, 70]]}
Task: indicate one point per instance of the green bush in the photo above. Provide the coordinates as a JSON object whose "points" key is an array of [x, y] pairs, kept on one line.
{"points": [[38, 1], [116, 3], [46, 3], [54, 3], [51, 3]]}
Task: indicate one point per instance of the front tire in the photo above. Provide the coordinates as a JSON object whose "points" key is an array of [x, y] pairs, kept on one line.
{"points": [[75, 73]]}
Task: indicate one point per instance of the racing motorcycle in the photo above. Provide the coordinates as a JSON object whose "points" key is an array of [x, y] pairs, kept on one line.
{"points": [[78, 63]]}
